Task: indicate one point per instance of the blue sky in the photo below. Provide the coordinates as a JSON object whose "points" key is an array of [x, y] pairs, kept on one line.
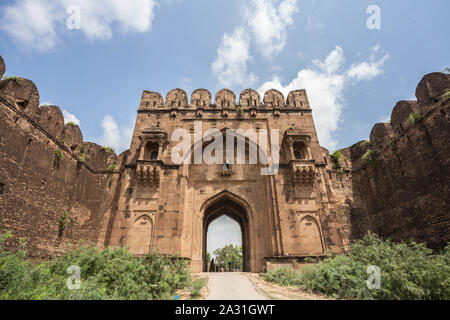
{"points": [[97, 73]]}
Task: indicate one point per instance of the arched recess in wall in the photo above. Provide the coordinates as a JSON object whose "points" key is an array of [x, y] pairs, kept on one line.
{"points": [[310, 237], [141, 235], [250, 147]]}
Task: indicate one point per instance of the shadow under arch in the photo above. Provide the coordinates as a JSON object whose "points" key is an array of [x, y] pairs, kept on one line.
{"points": [[234, 207]]}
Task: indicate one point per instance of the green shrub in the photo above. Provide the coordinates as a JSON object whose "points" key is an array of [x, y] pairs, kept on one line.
{"points": [[415, 117], [335, 157], [446, 95], [108, 149], [63, 221], [13, 78], [196, 287], [113, 165], [58, 157], [365, 143], [283, 276], [112, 273], [240, 111], [81, 156], [370, 157], [408, 272], [70, 123]]}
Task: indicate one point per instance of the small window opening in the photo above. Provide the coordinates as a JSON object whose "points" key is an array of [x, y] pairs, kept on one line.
{"points": [[2, 188]]}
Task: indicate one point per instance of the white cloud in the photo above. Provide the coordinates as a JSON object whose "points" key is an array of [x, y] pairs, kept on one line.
{"points": [[368, 70], [68, 117], [114, 136], [39, 23], [268, 24], [325, 82], [230, 66], [31, 22]]}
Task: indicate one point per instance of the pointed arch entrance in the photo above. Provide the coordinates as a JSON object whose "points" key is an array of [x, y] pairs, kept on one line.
{"points": [[231, 206]]}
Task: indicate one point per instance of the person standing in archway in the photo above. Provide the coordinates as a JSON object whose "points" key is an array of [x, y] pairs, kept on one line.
{"points": [[212, 266]]}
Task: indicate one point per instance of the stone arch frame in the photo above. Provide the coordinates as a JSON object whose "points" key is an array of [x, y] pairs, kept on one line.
{"points": [[319, 227], [201, 143], [152, 230], [218, 99], [244, 218]]}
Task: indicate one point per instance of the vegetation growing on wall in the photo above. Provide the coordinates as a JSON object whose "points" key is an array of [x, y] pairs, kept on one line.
{"points": [[70, 123], [365, 143], [369, 158], [240, 111], [112, 273], [113, 165], [108, 149], [63, 221], [408, 271], [415, 117], [58, 157], [14, 78], [335, 157], [81, 156], [446, 95]]}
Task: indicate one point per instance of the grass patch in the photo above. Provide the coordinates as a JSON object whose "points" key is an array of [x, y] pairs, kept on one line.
{"points": [[408, 272], [71, 123]]}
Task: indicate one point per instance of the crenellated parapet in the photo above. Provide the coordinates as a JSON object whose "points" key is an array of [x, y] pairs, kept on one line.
{"points": [[400, 178], [22, 96], [224, 98]]}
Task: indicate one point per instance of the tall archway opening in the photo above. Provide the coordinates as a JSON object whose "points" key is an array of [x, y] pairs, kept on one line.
{"points": [[231, 209]]}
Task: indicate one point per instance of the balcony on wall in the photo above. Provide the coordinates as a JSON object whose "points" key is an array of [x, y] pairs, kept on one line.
{"points": [[303, 171], [148, 173]]}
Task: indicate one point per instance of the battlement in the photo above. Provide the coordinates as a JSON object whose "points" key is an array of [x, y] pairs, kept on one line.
{"points": [[225, 98]]}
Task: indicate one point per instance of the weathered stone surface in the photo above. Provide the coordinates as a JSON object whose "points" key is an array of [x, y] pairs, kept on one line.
{"points": [[400, 115], [381, 135], [22, 94], [406, 195], [431, 88], [2, 67], [52, 119], [72, 137]]}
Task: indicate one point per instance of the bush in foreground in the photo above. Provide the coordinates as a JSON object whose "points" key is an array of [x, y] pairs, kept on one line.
{"points": [[408, 272], [112, 273]]}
